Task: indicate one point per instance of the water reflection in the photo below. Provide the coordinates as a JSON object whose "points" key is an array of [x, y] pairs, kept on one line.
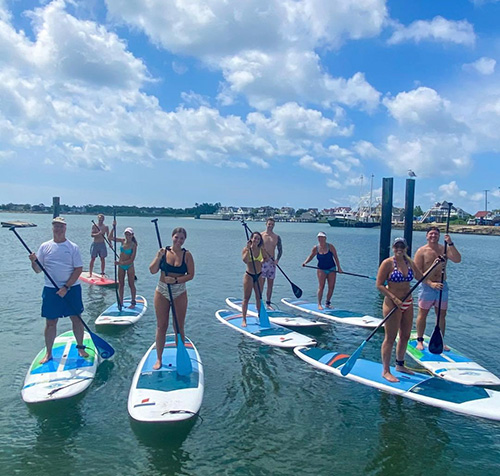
{"points": [[58, 425], [164, 445], [410, 442]]}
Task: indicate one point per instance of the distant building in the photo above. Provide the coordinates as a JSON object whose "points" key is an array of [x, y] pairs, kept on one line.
{"points": [[439, 213]]}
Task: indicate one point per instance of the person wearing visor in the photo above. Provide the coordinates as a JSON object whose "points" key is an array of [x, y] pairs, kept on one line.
{"points": [[328, 267], [125, 263]]}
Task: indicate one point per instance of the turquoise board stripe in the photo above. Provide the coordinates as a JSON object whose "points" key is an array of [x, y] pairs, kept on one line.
{"points": [[51, 365], [74, 360], [449, 391]]}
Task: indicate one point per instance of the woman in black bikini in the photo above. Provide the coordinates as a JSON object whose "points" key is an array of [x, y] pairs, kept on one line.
{"points": [[397, 270], [177, 268], [253, 258]]}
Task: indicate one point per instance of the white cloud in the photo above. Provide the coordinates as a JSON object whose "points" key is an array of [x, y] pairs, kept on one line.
{"points": [[331, 183], [438, 29], [483, 65], [266, 49], [309, 163], [366, 149], [451, 190]]}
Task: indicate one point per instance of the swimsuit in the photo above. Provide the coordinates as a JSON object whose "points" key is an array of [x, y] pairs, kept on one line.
{"points": [[255, 277], [168, 268], [259, 258], [407, 304], [429, 297], [177, 290], [397, 276], [269, 269], [98, 249], [126, 251], [326, 262]]}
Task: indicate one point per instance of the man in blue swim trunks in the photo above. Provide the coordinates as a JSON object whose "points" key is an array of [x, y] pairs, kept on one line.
{"points": [[62, 261], [98, 248], [429, 290]]}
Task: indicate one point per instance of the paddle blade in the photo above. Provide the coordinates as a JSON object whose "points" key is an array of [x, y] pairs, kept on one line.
{"points": [[297, 291], [263, 316], [436, 344], [347, 367], [183, 361], [103, 348]]}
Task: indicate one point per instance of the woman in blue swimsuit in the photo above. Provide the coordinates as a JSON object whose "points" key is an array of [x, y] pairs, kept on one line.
{"points": [[398, 271], [328, 267], [128, 251]]}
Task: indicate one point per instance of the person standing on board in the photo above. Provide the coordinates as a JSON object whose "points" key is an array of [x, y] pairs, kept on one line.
{"points": [[252, 279], [398, 271], [271, 242], [328, 267], [428, 296], [177, 268], [63, 262], [98, 247], [125, 263]]}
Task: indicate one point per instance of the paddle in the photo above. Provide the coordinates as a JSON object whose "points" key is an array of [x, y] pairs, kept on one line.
{"points": [[118, 300], [105, 350], [296, 290], [347, 367], [263, 316], [108, 242], [343, 272], [183, 362], [436, 344]]}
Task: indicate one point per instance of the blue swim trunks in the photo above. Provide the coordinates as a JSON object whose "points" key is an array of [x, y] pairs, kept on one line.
{"points": [[429, 297], [98, 249], [54, 306]]}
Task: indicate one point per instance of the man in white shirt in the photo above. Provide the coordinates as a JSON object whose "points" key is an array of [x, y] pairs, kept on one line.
{"points": [[63, 263]]}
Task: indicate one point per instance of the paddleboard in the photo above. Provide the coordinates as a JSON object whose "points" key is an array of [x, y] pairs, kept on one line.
{"points": [[97, 279], [276, 316], [337, 315], [451, 365], [65, 376], [275, 335], [113, 316], [434, 391], [163, 396]]}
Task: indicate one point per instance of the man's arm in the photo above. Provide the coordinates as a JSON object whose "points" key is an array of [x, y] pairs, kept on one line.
{"points": [[452, 253], [280, 248]]}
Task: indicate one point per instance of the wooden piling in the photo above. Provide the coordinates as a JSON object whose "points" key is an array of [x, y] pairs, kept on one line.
{"points": [[386, 219], [409, 205], [56, 206]]}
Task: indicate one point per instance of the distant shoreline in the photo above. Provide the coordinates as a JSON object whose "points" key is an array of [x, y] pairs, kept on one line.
{"points": [[460, 229]]}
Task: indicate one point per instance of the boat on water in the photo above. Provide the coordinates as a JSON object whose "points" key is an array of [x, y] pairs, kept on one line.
{"points": [[352, 221]]}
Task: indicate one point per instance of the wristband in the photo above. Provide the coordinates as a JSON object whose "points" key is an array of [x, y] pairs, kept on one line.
{"points": [[66, 286], [176, 281], [451, 244]]}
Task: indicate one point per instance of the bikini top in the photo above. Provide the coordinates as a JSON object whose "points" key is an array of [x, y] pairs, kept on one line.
{"points": [[257, 258], [397, 276], [168, 268], [126, 251]]}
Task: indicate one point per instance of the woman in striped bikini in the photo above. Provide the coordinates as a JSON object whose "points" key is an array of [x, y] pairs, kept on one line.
{"points": [[397, 270]]}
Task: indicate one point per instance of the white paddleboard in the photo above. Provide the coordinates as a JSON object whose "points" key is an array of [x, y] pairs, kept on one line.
{"points": [[97, 279], [276, 316], [113, 316], [274, 335], [338, 315], [164, 396], [434, 391], [451, 365], [65, 376]]}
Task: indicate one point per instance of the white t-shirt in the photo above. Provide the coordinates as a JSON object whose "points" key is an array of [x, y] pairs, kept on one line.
{"points": [[60, 260]]}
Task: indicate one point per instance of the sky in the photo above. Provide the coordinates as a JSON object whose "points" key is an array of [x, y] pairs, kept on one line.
{"points": [[250, 102]]}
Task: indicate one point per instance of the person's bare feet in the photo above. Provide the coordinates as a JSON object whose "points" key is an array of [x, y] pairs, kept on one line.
{"points": [[244, 322], [446, 348], [157, 365], [46, 359], [320, 307], [420, 345], [388, 376], [404, 370]]}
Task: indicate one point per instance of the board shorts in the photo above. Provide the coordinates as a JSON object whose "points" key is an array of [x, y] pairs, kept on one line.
{"points": [[98, 249], [54, 306], [429, 297], [269, 269], [177, 290]]}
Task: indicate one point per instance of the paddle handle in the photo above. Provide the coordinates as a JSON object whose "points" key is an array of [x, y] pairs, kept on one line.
{"points": [[343, 272], [443, 270]]}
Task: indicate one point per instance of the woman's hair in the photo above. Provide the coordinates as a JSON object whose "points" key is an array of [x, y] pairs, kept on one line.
{"points": [[134, 240], [259, 235], [179, 229]]}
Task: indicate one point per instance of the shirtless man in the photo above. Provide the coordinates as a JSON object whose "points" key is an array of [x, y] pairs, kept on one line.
{"points": [[98, 247], [271, 241], [428, 296]]}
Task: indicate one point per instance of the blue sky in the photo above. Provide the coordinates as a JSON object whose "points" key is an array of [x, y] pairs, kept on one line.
{"points": [[262, 102]]}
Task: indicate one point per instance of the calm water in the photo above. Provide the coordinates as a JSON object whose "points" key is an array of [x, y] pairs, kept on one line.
{"points": [[265, 412]]}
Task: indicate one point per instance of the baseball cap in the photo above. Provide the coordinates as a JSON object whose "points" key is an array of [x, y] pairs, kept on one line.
{"points": [[129, 230], [400, 240], [321, 233], [59, 220]]}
